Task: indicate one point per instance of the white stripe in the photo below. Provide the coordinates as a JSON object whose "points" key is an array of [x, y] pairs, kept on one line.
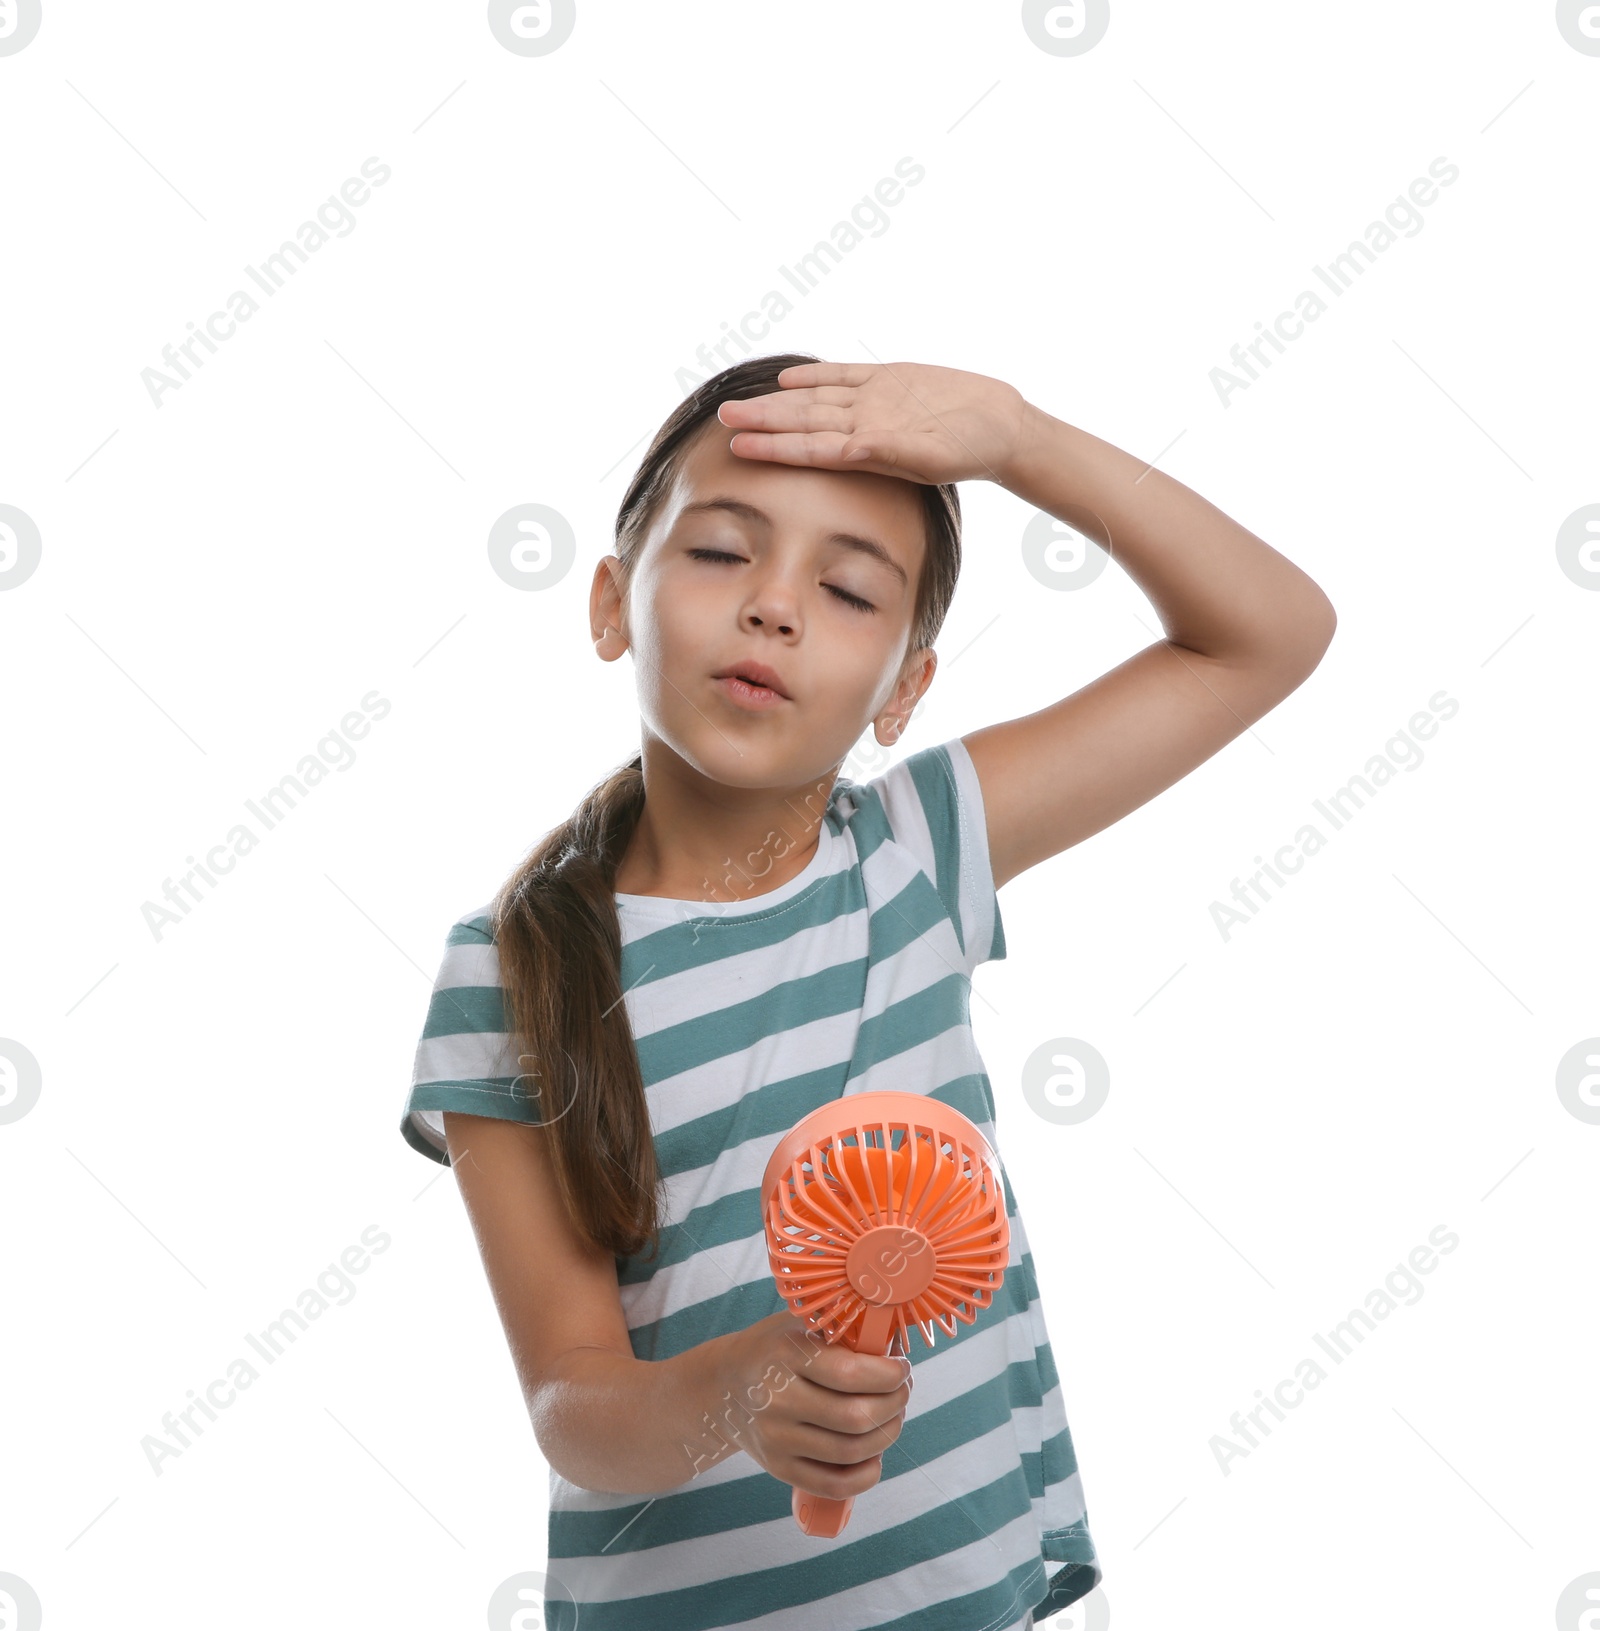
{"points": [[466, 1056], [977, 877]]}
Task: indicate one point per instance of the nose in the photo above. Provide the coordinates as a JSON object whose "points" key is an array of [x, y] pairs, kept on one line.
{"points": [[773, 604]]}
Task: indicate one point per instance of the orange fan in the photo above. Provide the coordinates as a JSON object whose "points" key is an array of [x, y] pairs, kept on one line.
{"points": [[883, 1211]]}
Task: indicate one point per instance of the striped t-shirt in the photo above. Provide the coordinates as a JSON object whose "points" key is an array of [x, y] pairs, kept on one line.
{"points": [[852, 976]]}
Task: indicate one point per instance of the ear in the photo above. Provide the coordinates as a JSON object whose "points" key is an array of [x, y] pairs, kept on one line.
{"points": [[607, 610], [915, 678]]}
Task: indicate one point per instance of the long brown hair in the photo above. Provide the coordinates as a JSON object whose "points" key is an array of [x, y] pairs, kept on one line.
{"points": [[555, 919]]}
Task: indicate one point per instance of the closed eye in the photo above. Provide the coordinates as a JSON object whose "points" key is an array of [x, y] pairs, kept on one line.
{"points": [[843, 594]]}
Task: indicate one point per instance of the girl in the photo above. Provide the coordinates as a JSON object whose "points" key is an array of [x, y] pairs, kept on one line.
{"points": [[727, 934]]}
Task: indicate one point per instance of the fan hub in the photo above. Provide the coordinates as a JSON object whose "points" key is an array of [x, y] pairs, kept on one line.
{"points": [[891, 1264]]}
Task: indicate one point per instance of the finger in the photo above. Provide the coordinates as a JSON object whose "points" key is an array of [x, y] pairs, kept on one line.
{"points": [[797, 412], [825, 373], [873, 1373], [849, 1414], [820, 449], [832, 1403], [833, 1483], [836, 396], [861, 1436]]}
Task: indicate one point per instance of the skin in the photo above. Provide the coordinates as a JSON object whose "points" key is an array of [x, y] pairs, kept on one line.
{"points": [[722, 781], [838, 446]]}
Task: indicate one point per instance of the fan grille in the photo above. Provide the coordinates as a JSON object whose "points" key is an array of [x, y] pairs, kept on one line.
{"points": [[911, 1186]]}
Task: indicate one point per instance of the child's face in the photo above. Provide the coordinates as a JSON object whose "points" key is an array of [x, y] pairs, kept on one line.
{"points": [[779, 602]]}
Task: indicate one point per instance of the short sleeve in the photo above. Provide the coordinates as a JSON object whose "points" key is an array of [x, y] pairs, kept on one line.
{"points": [[934, 807], [464, 1060]]}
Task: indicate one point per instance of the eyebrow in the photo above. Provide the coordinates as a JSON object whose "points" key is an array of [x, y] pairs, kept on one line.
{"points": [[849, 540]]}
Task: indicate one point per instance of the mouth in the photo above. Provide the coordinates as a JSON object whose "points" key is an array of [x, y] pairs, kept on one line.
{"points": [[752, 682]]}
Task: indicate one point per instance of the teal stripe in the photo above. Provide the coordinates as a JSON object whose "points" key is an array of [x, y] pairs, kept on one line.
{"points": [[730, 1310], [695, 943], [456, 1009], [766, 1112], [1083, 1573], [909, 1023], [904, 917], [935, 779], [496, 1097], [698, 1041], [869, 826], [478, 1098], [842, 1565], [1056, 1462], [995, 1608], [726, 1219]]}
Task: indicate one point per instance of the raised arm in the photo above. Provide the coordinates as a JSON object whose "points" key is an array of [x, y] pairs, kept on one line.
{"points": [[1244, 627]]}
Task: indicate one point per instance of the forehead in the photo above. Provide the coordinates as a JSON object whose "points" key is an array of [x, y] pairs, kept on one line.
{"points": [[808, 504]]}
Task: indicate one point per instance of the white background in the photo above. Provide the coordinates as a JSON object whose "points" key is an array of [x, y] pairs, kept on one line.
{"points": [[225, 576]]}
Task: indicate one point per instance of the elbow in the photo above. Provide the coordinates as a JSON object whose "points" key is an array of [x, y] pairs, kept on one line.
{"points": [[1322, 622], [1314, 625], [1302, 642], [1327, 618], [1326, 628]]}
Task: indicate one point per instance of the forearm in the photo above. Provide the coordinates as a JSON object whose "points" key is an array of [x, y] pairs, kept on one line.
{"points": [[607, 1421], [1217, 587]]}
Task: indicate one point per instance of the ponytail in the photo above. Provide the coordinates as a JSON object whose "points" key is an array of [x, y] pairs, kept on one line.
{"points": [[559, 940]]}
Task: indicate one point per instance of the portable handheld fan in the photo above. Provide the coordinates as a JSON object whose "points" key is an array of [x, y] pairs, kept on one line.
{"points": [[883, 1211]]}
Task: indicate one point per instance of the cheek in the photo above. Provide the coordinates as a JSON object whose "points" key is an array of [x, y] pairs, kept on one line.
{"points": [[684, 623], [677, 634], [850, 673]]}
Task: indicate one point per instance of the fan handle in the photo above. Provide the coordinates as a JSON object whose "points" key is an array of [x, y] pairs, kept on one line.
{"points": [[824, 1515]]}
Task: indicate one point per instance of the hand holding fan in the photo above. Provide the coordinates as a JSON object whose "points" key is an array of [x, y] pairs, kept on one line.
{"points": [[883, 1210]]}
